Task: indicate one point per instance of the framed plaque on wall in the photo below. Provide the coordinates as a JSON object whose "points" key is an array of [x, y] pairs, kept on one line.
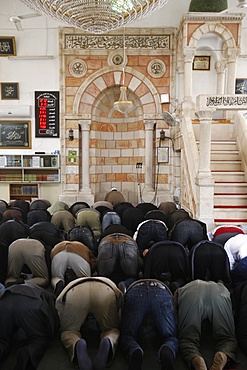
{"points": [[7, 46], [9, 90], [201, 63], [15, 135], [241, 86]]}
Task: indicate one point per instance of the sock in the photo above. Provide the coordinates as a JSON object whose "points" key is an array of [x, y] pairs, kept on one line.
{"points": [[83, 359], [101, 357], [136, 360], [166, 358]]}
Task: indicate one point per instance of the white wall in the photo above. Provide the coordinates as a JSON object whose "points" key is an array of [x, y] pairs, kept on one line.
{"points": [[40, 37]]}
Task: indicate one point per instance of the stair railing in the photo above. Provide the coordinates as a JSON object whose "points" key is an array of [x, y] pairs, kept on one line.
{"points": [[240, 126]]}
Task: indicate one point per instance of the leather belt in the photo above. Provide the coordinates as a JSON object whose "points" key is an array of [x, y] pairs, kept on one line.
{"points": [[151, 283]]}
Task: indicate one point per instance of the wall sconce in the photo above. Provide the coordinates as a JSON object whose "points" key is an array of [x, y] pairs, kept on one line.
{"points": [[162, 135], [71, 134]]}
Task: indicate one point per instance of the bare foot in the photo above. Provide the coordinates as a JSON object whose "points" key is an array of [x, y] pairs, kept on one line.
{"points": [[198, 363], [220, 360]]}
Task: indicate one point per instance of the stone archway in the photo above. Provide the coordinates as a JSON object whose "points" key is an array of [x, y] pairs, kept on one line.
{"points": [[119, 142], [227, 28], [138, 83], [229, 36]]}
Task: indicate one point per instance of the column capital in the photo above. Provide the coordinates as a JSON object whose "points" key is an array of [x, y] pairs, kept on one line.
{"points": [[149, 124], [189, 54], [85, 124], [232, 55], [205, 115], [188, 106], [220, 66]]}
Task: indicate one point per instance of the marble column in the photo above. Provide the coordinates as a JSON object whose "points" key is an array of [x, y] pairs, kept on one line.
{"points": [[232, 55], [220, 67], [204, 180], [180, 71], [188, 60], [85, 128], [205, 118], [149, 129]]}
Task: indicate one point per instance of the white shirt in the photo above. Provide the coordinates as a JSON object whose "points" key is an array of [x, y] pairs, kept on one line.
{"points": [[236, 248]]}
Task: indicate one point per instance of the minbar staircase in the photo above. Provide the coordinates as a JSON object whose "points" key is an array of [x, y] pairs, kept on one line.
{"points": [[230, 191]]}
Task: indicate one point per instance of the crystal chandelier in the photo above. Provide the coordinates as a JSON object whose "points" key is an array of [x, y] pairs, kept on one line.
{"points": [[123, 105], [96, 16]]}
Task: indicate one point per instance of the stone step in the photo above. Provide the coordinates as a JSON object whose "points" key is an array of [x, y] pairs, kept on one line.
{"points": [[228, 176], [224, 221], [230, 188], [224, 155], [226, 165], [230, 213], [224, 145], [230, 200]]}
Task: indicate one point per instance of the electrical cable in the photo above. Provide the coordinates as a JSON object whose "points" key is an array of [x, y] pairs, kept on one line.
{"points": [[156, 182], [138, 166]]}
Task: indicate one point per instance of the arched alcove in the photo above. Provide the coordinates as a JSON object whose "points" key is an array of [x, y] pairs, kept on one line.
{"points": [[220, 77], [117, 143], [208, 78], [222, 33], [103, 106], [137, 82]]}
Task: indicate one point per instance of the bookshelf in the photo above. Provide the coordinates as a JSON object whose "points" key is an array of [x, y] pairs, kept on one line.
{"points": [[20, 191], [25, 173]]}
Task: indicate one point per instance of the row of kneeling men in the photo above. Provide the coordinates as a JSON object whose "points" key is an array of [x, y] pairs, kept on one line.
{"points": [[120, 313]]}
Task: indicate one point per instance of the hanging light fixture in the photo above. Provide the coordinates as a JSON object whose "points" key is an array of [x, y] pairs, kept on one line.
{"points": [[96, 16], [123, 105]]}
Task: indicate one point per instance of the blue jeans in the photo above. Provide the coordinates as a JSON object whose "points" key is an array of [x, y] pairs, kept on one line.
{"points": [[84, 235], [239, 273], [150, 231], [240, 305], [118, 257], [188, 233], [110, 218], [148, 298]]}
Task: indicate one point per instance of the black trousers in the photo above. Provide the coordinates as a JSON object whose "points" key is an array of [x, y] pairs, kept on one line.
{"points": [[18, 311]]}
